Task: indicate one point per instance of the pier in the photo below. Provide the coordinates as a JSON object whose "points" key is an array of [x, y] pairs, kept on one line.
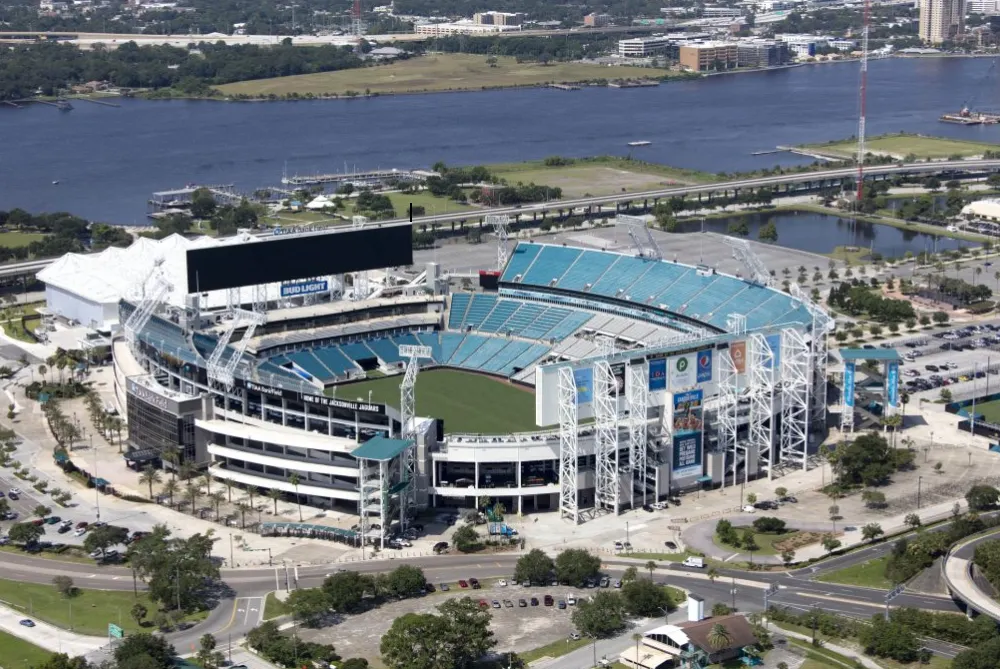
{"points": [[370, 178]]}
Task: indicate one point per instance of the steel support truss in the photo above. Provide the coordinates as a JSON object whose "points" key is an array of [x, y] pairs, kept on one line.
{"points": [[641, 236], [150, 297], [407, 411], [359, 290], [373, 484], [569, 449], [500, 224], [822, 326], [796, 384], [607, 491], [755, 266], [221, 369], [637, 396], [729, 396], [761, 390]]}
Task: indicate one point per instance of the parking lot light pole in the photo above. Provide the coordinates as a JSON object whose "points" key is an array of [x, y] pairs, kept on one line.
{"points": [[626, 532], [919, 481]]}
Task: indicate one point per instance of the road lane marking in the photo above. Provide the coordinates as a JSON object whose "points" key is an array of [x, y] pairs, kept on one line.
{"points": [[839, 599], [231, 618]]}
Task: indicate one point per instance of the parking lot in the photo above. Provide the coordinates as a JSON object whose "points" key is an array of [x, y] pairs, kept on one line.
{"points": [[951, 357], [517, 628]]}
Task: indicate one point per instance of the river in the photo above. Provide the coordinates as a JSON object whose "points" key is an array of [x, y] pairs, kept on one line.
{"points": [[109, 160]]}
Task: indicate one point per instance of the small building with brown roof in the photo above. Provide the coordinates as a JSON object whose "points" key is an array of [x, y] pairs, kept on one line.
{"points": [[688, 642]]}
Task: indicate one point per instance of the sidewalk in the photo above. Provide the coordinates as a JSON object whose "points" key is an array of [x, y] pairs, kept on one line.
{"points": [[846, 652], [48, 636]]}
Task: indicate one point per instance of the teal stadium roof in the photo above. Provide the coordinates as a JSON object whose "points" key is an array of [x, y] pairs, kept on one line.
{"points": [[880, 354], [380, 448]]}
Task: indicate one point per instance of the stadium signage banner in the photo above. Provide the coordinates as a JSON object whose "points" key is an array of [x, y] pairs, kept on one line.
{"points": [[151, 397], [618, 374], [687, 428], [774, 343], [584, 379], [316, 399], [705, 366], [682, 371], [658, 374], [738, 354], [849, 384], [304, 288], [892, 384]]}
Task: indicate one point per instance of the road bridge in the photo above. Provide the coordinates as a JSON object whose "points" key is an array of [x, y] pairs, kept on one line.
{"points": [[957, 571]]}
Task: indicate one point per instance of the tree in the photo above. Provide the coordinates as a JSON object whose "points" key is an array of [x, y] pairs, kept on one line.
{"points": [[630, 574], [576, 565], [243, 507], [769, 525], [202, 203], [466, 539], [601, 617], [749, 542], [873, 499], [208, 656], [645, 598], [457, 637], [180, 573], [138, 613], [751, 498], [651, 567], [158, 649], [713, 574], [781, 492], [308, 605], [64, 584], [982, 497], [295, 480], [912, 520], [946, 395], [275, 496], [148, 477], [719, 637], [720, 609], [104, 537], [41, 511], [25, 533], [406, 581], [938, 467], [830, 543], [871, 531], [888, 639], [535, 567], [345, 590], [191, 494], [768, 232], [787, 556], [170, 488], [217, 497]]}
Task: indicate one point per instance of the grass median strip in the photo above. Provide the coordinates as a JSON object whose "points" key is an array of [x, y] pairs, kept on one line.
{"points": [[868, 574], [554, 649], [16, 653], [274, 607]]}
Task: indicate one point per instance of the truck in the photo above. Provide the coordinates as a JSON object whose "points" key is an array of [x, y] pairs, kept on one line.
{"points": [[696, 562]]}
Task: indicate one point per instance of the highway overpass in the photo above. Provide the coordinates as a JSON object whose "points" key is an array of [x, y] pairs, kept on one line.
{"points": [[957, 571], [595, 204]]}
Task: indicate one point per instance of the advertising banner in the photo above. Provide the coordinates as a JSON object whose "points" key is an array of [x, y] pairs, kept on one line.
{"points": [[892, 384], [618, 373], [303, 288], [687, 428], [705, 366], [774, 342], [682, 371], [687, 455], [738, 352], [584, 385], [849, 384], [658, 374]]}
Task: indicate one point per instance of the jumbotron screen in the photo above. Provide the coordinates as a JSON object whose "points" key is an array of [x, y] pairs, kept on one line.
{"points": [[286, 258]]}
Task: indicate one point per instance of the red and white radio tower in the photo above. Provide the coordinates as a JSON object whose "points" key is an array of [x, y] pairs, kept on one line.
{"points": [[862, 99], [356, 18]]}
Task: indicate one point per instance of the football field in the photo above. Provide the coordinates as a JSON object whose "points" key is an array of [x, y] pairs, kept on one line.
{"points": [[467, 402]]}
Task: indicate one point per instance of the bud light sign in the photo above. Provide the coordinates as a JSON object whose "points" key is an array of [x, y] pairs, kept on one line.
{"points": [[303, 288]]}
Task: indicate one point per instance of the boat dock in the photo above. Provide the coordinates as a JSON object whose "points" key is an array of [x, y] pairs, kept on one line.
{"points": [[370, 178], [645, 83], [565, 87]]}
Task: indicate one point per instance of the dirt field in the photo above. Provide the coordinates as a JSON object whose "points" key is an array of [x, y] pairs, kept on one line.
{"points": [[440, 72], [601, 176], [517, 629]]}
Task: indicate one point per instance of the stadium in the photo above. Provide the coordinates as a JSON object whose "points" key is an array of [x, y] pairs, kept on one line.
{"points": [[323, 365]]}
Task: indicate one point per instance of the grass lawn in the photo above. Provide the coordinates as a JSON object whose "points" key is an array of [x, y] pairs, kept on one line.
{"points": [[91, 610], [467, 402], [15, 329], [599, 176], [764, 541], [903, 145], [870, 574], [70, 554], [990, 410], [17, 653], [274, 607], [14, 239], [554, 649], [432, 204], [438, 72]]}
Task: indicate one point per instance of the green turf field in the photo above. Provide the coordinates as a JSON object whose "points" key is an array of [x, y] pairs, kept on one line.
{"points": [[989, 410], [467, 402]]}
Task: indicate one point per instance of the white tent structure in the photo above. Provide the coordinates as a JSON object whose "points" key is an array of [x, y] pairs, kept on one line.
{"points": [[87, 287]]}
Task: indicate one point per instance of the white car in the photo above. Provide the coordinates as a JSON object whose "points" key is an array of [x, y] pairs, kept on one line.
{"points": [[80, 532], [749, 509], [619, 546], [13, 491], [571, 600], [502, 583]]}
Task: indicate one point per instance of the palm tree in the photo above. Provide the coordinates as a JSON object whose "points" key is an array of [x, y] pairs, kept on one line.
{"points": [[251, 491], [192, 494], [243, 508], [148, 477], [42, 369], [651, 567], [483, 502], [713, 574], [275, 496], [217, 497], [295, 479], [637, 638], [170, 488], [719, 637], [207, 477], [975, 274], [996, 275], [172, 455], [229, 489]]}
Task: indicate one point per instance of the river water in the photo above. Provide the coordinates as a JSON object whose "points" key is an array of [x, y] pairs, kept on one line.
{"points": [[109, 160]]}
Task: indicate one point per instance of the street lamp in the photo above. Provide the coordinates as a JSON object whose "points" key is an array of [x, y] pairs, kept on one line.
{"points": [[919, 481]]}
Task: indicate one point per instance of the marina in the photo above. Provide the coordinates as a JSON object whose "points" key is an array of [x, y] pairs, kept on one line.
{"points": [[357, 179]]}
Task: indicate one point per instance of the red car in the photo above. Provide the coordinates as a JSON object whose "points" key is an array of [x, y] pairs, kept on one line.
{"points": [[463, 584], [483, 604]]}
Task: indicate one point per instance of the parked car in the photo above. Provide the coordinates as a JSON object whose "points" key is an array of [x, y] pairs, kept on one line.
{"points": [[474, 582], [575, 636], [534, 601], [463, 584], [509, 604], [522, 603], [502, 583], [444, 587], [52, 520], [483, 604], [82, 524], [671, 545], [562, 604], [496, 604], [548, 600]]}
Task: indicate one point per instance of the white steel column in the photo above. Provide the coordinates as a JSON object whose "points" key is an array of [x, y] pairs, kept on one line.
{"points": [[407, 411], [569, 451], [637, 395], [607, 493], [822, 324], [729, 396], [795, 371], [500, 223], [761, 402]]}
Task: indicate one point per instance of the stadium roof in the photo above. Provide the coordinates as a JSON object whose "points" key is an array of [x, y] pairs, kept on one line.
{"points": [[380, 448], [880, 354], [117, 273]]}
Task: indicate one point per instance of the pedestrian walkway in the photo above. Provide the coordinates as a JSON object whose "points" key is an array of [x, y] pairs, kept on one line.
{"points": [[47, 636], [846, 652]]}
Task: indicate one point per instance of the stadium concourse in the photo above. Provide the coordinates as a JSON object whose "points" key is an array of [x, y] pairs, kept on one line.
{"points": [[650, 377]]}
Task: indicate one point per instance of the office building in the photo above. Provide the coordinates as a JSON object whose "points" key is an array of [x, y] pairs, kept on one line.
{"points": [[498, 18], [709, 55], [762, 53], [941, 20], [988, 7], [464, 27], [596, 20]]}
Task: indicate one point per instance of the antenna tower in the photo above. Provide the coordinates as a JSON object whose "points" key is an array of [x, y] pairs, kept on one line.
{"points": [[356, 19], [862, 103]]}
